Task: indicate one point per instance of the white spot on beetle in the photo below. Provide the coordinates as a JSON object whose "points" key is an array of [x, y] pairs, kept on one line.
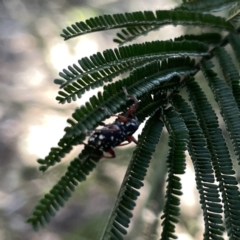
{"points": [[112, 137], [101, 136]]}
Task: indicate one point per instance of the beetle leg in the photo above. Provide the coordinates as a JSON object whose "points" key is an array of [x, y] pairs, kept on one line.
{"points": [[113, 155], [132, 139], [129, 139], [123, 144], [134, 107], [122, 118]]}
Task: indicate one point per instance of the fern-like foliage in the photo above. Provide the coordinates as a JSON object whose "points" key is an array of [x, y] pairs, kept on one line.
{"points": [[227, 104], [230, 73], [207, 6], [164, 17], [208, 191], [61, 192], [135, 174], [234, 13], [234, 40], [140, 23], [158, 71], [176, 165], [207, 38], [87, 117], [100, 68], [220, 156]]}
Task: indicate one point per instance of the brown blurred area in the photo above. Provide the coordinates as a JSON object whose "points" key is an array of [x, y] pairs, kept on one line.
{"points": [[31, 122]]}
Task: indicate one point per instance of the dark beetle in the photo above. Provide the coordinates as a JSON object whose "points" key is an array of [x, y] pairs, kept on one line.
{"points": [[116, 133]]}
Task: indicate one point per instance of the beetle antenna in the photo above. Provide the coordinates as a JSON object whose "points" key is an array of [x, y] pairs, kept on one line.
{"points": [[108, 112], [129, 95]]}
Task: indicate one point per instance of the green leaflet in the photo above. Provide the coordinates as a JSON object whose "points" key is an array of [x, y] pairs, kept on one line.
{"points": [[165, 17], [61, 192], [201, 159], [176, 165], [234, 13], [220, 157], [133, 179], [234, 40], [207, 38], [149, 105], [227, 104], [101, 68], [206, 6], [230, 72], [139, 23]]}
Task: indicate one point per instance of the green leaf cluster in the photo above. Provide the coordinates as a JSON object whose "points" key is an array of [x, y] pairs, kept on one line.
{"points": [[158, 71]]}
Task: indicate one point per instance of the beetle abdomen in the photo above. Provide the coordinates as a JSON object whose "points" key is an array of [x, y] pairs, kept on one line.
{"points": [[105, 140]]}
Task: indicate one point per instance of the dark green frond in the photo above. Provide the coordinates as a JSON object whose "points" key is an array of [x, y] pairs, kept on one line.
{"points": [[61, 192], [154, 73], [178, 141], [140, 81], [57, 153], [65, 145], [227, 105], [201, 158], [234, 13], [88, 117], [133, 180], [94, 71], [165, 17], [139, 23], [148, 107], [230, 72], [220, 157], [206, 5], [234, 40], [150, 104], [175, 84], [207, 38]]}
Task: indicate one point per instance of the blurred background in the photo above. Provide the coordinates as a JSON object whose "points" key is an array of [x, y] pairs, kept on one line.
{"points": [[31, 122]]}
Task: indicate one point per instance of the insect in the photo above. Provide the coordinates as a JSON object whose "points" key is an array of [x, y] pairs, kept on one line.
{"points": [[121, 130]]}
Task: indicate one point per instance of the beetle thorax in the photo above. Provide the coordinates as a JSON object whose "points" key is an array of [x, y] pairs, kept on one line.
{"points": [[116, 133], [130, 126]]}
